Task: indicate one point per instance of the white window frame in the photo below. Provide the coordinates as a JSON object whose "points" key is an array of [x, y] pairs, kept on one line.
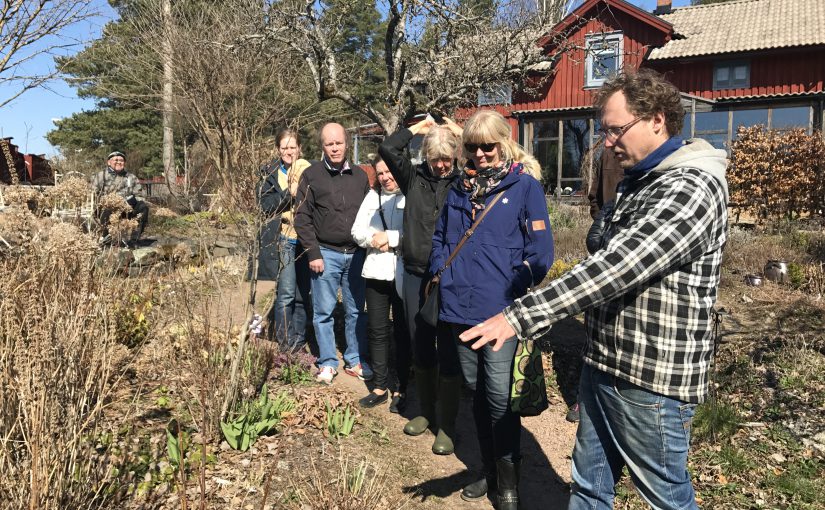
{"points": [[612, 39], [490, 95], [731, 66]]}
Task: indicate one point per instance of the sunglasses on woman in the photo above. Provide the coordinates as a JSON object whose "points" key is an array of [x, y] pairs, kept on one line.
{"points": [[485, 147]]}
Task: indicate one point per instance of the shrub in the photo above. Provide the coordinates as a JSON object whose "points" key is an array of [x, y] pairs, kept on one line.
{"points": [[777, 173], [60, 360]]}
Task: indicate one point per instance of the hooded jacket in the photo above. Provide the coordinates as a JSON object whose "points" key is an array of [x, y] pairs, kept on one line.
{"points": [[649, 290], [425, 195], [510, 251]]}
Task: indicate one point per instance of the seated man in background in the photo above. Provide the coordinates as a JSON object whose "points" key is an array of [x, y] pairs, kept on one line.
{"points": [[115, 179]]}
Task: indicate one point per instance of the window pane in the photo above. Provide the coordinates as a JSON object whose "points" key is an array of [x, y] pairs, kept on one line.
{"points": [[686, 127], [722, 74], [576, 143], [797, 116], [546, 129], [749, 118], [604, 65], [546, 152], [740, 73], [719, 141], [711, 121]]}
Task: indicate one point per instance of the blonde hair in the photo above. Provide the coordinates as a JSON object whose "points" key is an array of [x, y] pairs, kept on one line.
{"points": [[488, 126], [439, 143]]}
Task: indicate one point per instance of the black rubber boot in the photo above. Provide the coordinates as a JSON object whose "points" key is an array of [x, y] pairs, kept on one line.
{"points": [[426, 384], [508, 475], [449, 394]]}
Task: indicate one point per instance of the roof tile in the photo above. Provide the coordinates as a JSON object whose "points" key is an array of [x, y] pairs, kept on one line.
{"points": [[743, 25]]}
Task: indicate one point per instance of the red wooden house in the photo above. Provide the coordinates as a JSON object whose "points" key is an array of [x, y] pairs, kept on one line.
{"points": [[30, 168], [743, 62]]}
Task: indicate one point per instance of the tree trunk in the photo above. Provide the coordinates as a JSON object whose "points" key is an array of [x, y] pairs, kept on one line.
{"points": [[169, 172]]}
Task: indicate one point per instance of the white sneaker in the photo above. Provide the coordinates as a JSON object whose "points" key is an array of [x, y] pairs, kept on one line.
{"points": [[326, 375], [361, 371]]}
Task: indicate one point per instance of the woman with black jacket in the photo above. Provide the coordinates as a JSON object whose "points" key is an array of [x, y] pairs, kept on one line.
{"points": [[425, 186]]}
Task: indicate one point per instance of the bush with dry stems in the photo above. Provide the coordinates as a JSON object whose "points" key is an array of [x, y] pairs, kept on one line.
{"points": [[60, 359]]}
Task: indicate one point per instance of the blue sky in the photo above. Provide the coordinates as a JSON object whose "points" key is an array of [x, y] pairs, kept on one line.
{"points": [[30, 117]]}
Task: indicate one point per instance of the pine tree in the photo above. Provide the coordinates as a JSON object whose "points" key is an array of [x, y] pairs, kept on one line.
{"points": [[122, 119]]}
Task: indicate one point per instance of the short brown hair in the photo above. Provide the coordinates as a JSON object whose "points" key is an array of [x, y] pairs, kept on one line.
{"points": [[647, 93], [287, 133]]}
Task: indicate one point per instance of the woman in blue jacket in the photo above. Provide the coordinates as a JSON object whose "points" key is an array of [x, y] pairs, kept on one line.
{"points": [[510, 251]]}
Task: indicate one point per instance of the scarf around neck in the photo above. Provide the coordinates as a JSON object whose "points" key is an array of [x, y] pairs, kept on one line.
{"points": [[479, 183]]}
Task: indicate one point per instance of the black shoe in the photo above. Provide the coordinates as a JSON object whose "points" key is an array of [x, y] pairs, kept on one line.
{"points": [[398, 403], [573, 413], [373, 399], [478, 490]]}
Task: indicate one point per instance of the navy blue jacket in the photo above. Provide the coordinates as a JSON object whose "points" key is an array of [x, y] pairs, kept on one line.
{"points": [[489, 273]]}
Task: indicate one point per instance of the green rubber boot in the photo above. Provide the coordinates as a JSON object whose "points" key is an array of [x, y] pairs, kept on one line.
{"points": [[449, 394], [426, 383]]}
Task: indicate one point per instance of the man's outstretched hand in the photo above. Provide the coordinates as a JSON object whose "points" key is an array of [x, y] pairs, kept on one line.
{"points": [[496, 329]]}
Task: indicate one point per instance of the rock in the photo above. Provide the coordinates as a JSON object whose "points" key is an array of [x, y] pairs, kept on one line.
{"points": [[778, 458], [146, 256], [229, 245], [245, 463], [221, 252], [746, 299], [114, 258]]}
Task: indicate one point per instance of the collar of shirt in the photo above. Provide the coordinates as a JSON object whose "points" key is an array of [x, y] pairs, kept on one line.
{"points": [[328, 165], [654, 158]]}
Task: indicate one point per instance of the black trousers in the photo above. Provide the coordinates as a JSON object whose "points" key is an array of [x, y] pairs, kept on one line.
{"points": [[140, 208], [431, 347], [382, 298]]}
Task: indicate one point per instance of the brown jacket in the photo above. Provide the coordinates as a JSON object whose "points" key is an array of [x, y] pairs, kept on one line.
{"points": [[606, 177]]}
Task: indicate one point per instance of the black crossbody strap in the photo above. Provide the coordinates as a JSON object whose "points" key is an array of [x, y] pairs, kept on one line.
{"points": [[381, 213], [468, 233]]}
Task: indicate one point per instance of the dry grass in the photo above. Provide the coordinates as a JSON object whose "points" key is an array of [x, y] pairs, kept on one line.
{"points": [[354, 487], [60, 359], [570, 225]]}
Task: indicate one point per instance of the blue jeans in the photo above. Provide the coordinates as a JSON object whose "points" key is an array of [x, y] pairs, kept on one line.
{"points": [[341, 270], [292, 300], [624, 424], [490, 374]]}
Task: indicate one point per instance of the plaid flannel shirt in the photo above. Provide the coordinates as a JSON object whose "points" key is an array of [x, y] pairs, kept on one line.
{"points": [[650, 289]]}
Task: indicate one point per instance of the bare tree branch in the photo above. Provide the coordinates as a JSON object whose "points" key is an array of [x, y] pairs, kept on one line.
{"points": [[30, 30]]}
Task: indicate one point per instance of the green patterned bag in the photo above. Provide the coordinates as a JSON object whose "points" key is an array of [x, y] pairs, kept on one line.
{"points": [[528, 391]]}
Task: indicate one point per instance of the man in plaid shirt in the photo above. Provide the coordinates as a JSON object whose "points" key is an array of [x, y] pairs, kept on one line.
{"points": [[647, 294]]}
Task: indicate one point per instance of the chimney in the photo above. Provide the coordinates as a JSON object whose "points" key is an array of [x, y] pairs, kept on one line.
{"points": [[663, 7]]}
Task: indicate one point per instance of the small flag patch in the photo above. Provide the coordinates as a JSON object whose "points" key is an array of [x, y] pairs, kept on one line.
{"points": [[538, 225]]}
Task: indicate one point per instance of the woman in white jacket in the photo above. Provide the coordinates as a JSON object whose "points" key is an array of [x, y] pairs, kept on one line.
{"points": [[378, 228]]}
